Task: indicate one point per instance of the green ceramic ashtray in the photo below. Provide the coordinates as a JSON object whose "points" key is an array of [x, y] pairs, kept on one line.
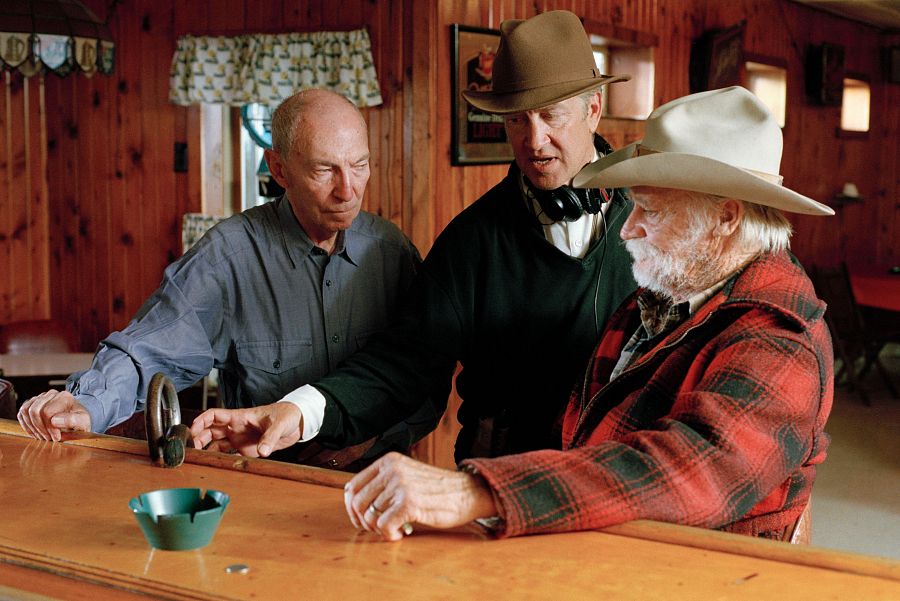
{"points": [[176, 519]]}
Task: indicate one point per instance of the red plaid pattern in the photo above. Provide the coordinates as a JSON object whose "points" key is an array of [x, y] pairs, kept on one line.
{"points": [[720, 425]]}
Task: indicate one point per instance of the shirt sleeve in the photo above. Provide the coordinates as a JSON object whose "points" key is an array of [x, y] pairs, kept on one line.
{"points": [[311, 404], [171, 333], [738, 438]]}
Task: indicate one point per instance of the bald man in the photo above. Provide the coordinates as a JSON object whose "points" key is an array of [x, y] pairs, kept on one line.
{"points": [[274, 297]]}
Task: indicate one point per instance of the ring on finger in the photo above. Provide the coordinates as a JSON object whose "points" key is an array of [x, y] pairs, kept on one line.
{"points": [[374, 510]]}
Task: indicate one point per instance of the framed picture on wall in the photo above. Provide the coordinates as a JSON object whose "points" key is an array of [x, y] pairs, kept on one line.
{"points": [[717, 58], [477, 137]]}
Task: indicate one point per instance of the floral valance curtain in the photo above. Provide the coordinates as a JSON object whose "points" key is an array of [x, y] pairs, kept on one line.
{"points": [[267, 68]]}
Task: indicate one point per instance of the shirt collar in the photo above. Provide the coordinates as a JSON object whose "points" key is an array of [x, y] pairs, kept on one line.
{"points": [[297, 243], [659, 315]]}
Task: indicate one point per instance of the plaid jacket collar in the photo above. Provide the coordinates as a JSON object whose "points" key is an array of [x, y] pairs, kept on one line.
{"points": [[769, 282]]}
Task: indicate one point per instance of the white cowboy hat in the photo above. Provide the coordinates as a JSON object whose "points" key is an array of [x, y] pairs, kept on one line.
{"points": [[723, 142]]}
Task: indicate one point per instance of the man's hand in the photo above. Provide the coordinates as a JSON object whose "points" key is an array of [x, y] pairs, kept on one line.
{"points": [[46, 415], [396, 491], [253, 432]]}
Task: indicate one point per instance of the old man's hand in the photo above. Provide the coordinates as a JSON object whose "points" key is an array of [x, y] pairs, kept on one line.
{"points": [[396, 491], [47, 415], [252, 432]]}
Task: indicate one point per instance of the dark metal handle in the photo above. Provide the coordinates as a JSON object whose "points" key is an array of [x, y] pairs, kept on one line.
{"points": [[167, 437]]}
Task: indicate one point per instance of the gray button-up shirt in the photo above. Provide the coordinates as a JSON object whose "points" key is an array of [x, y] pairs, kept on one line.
{"points": [[257, 300]]}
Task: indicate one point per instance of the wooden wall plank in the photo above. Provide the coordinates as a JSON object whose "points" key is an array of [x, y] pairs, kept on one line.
{"points": [[38, 210], [191, 18], [63, 193], [226, 17], [128, 194], [93, 232], [6, 193], [19, 191], [162, 225], [263, 16], [303, 15]]}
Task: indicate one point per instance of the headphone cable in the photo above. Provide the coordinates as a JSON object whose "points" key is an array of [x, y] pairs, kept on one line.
{"points": [[600, 266]]}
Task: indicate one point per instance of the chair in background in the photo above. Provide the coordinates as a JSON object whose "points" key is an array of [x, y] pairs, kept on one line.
{"points": [[193, 227], [801, 533], [7, 400], [853, 339], [38, 336]]}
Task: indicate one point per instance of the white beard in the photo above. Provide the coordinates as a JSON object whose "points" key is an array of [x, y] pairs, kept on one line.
{"points": [[685, 270]]}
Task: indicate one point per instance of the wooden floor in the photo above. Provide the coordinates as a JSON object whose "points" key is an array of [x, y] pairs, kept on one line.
{"points": [[856, 498]]}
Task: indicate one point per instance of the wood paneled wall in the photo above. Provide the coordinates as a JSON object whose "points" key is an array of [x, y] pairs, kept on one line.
{"points": [[90, 206], [24, 267], [815, 161]]}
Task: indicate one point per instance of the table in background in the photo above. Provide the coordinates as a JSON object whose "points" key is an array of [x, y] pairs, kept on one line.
{"points": [[67, 531], [33, 374], [43, 364], [878, 295], [877, 290]]}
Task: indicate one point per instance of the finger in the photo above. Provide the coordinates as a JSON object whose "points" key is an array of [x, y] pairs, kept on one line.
{"points": [[209, 418], [72, 420], [370, 519], [71, 414], [24, 416], [348, 497], [396, 514], [394, 523], [25, 419], [203, 437], [282, 421], [33, 411], [222, 445], [358, 495]]}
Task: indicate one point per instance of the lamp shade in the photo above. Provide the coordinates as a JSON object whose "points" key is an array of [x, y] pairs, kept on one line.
{"points": [[53, 35]]}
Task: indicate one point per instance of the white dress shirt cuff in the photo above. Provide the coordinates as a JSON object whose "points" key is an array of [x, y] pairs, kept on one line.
{"points": [[311, 404]]}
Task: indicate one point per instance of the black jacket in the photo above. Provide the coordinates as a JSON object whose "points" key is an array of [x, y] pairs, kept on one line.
{"points": [[519, 315]]}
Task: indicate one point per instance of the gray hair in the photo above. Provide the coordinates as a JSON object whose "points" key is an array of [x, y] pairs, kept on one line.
{"points": [[766, 226], [586, 98], [762, 228], [288, 113]]}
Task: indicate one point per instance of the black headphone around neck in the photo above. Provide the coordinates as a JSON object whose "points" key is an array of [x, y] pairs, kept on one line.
{"points": [[567, 203]]}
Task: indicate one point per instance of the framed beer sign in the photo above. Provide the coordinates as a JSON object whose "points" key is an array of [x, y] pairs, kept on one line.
{"points": [[477, 137]]}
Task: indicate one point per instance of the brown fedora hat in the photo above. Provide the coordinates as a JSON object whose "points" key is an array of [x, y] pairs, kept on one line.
{"points": [[540, 61]]}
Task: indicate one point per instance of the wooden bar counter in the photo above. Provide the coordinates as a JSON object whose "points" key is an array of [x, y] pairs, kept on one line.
{"points": [[67, 533]]}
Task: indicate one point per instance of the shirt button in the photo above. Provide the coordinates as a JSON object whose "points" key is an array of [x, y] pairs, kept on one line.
{"points": [[276, 364], [328, 282], [335, 338]]}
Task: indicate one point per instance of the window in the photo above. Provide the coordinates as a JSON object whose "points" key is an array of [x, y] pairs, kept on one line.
{"points": [[257, 187], [769, 83], [216, 160], [616, 51], [855, 106]]}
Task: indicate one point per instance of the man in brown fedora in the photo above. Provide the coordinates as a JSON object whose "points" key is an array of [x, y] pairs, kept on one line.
{"points": [[516, 288]]}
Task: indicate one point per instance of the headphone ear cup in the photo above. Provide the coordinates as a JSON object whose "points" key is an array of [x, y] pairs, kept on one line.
{"points": [[591, 200], [561, 204]]}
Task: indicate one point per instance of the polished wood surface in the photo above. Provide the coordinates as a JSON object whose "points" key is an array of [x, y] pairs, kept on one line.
{"points": [[65, 516], [44, 364]]}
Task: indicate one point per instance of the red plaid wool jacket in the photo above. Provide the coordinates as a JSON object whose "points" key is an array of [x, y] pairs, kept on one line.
{"points": [[720, 425]]}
